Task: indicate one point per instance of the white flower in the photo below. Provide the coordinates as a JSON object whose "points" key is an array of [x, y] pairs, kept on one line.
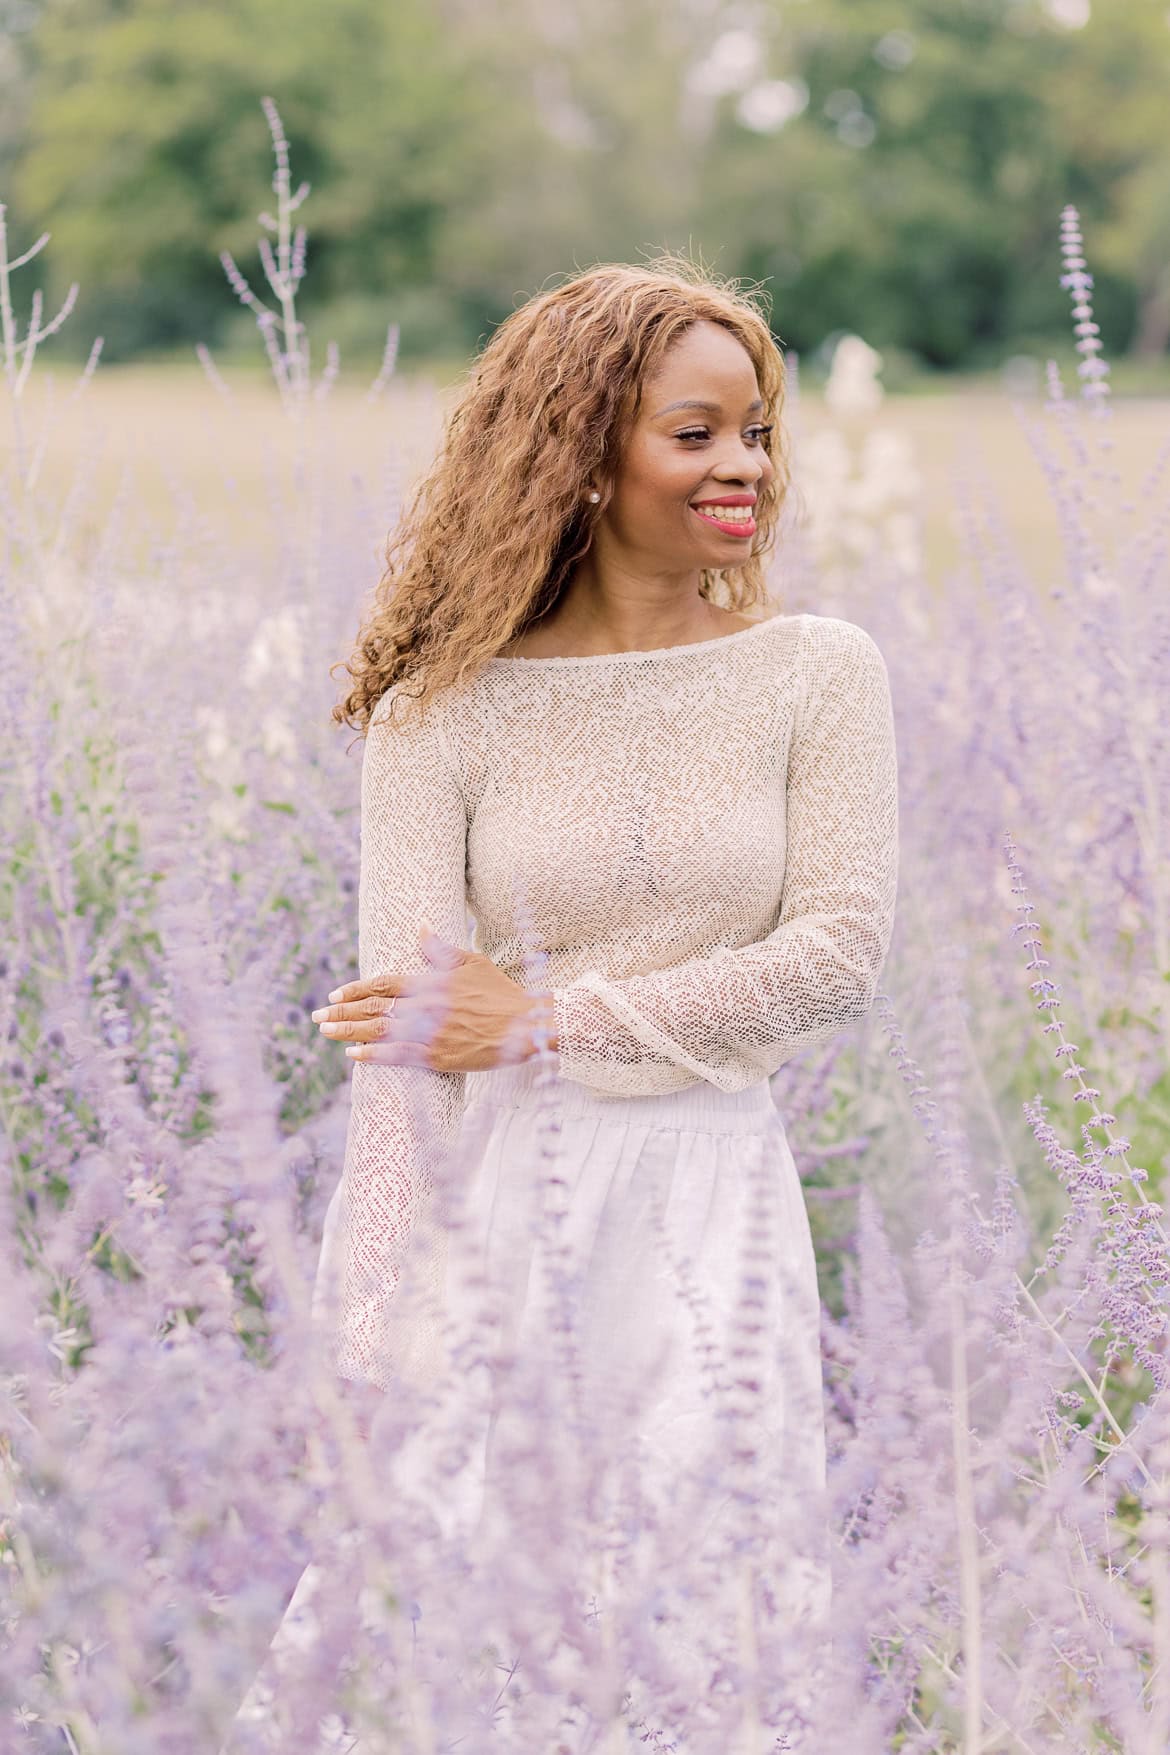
{"points": [[216, 741], [853, 387], [277, 646], [146, 1192]]}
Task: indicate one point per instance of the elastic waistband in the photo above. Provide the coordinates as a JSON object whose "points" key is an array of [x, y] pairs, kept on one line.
{"points": [[698, 1108]]}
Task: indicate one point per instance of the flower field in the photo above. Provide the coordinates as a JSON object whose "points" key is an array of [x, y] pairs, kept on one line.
{"points": [[983, 1157]]}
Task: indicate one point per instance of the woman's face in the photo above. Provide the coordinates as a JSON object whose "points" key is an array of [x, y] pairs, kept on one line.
{"points": [[694, 461]]}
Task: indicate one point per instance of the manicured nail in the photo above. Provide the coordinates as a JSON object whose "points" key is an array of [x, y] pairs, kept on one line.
{"points": [[333, 997], [355, 1053]]}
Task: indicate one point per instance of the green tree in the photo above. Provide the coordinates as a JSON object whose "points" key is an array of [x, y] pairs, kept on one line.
{"points": [[147, 144], [915, 197], [899, 173]]}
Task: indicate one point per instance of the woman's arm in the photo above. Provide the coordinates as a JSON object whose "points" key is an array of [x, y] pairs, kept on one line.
{"points": [[735, 1016], [403, 1119]]}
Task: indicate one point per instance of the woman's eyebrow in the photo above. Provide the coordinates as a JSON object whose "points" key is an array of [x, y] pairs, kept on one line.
{"points": [[707, 407]]}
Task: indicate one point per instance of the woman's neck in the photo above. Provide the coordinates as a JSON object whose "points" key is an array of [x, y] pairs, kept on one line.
{"points": [[626, 614]]}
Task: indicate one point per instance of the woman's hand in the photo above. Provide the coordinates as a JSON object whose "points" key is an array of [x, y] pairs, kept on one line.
{"points": [[461, 1015]]}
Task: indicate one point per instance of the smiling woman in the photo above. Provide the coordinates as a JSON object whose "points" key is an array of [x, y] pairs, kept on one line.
{"points": [[675, 833], [685, 504], [526, 499]]}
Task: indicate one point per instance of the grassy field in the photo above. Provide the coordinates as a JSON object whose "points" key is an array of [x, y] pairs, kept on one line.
{"points": [[169, 438]]}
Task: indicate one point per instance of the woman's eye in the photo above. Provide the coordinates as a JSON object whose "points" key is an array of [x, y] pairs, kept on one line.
{"points": [[760, 432]]}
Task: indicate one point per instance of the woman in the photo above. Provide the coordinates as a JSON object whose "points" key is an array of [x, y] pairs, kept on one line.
{"points": [[674, 827]]}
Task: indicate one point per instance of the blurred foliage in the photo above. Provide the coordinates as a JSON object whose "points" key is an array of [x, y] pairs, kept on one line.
{"points": [[899, 174]]}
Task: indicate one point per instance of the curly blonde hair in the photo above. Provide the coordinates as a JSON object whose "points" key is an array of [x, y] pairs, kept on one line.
{"points": [[493, 531]]}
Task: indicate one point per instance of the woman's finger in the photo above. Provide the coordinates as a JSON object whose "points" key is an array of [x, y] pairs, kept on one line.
{"points": [[355, 1029], [349, 990], [384, 986], [374, 1007]]}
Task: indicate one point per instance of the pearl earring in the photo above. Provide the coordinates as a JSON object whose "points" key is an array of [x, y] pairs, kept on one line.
{"points": [[595, 497]]}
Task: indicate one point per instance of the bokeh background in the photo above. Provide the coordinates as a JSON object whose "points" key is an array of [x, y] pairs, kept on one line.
{"points": [[892, 170]]}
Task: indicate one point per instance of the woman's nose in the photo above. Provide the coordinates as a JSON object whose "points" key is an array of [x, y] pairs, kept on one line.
{"points": [[747, 467]]}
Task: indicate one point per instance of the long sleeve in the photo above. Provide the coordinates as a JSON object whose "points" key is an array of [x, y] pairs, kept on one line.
{"points": [[735, 1016], [402, 1119]]}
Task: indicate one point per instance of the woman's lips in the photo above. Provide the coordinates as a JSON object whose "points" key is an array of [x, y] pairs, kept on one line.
{"points": [[742, 527]]}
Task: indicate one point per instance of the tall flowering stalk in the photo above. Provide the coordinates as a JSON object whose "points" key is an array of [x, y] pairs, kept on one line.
{"points": [[1094, 368]]}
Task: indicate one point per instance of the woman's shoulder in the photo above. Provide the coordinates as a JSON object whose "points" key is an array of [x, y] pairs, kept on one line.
{"points": [[832, 638]]}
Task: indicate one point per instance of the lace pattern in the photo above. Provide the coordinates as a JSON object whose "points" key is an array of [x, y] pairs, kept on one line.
{"points": [[704, 841]]}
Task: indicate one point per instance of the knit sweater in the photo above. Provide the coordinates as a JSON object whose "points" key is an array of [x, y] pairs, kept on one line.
{"points": [[700, 843]]}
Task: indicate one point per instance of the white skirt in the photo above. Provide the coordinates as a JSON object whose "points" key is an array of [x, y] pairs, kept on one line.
{"points": [[633, 1328]]}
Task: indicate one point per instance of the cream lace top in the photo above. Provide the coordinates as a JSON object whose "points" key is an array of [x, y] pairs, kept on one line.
{"points": [[704, 841]]}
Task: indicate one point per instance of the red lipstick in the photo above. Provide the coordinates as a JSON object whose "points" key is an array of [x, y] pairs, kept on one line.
{"points": [[741, 527]]}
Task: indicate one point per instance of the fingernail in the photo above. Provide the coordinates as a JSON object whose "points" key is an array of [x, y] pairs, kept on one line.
{"points": [[354, 1053], [320, 1013], [333, 997]]}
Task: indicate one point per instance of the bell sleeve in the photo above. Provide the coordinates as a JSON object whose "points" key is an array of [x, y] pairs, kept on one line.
{"points": [[383, 1228], [734, 1016]]}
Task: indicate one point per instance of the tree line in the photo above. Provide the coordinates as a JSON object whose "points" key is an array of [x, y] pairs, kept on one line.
{"points": [[898, 172]]}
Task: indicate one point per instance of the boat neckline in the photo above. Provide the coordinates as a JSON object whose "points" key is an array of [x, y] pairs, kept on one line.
{"points": [[718, 640]]}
